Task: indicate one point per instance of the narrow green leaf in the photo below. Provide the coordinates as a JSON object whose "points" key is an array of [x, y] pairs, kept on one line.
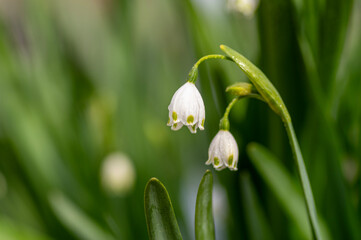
{"points": [[161, 221], [204, 224], [257, 225], [76, 220], [260, 81], [284, 187]]}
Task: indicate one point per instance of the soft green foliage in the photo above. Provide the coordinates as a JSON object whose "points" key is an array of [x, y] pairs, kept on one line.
{"points": [[12, 231], [283, 186], [256, 222], [82, 79], [72, 217]]}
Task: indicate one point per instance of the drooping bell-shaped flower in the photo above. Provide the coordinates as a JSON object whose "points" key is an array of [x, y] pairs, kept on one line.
{"points": [[187, 108], [223, 151]]}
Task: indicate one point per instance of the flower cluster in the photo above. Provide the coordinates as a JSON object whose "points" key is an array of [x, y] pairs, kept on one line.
{"points": [[187, 108]]}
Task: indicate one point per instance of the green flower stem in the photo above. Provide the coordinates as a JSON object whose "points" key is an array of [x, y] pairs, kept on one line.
{"points": [[224, 122], [192, 76], [306, 186]]}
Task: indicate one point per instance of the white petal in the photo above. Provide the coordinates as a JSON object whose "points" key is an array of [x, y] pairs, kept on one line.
{"points": [[201, 112], [193, 128], [187, 104], [175, 96], [171, 121], [173, 102], [177, 126], [220, 167]]}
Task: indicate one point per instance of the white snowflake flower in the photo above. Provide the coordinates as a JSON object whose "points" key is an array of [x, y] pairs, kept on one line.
{"points": [[246, 7], [118, 174], [223, 151], [187, 108]]}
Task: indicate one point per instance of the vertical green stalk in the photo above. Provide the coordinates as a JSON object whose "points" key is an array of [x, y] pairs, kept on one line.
{"points": [[306, 186]]}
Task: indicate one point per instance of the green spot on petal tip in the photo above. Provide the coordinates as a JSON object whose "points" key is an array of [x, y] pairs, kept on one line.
{"points": [[216, 161], [230, 160], [174, 116], [190, 119]]}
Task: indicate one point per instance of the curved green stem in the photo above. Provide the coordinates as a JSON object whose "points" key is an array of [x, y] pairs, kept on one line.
{"points": [[192, 76], [229, 107], [211, 56], [224, 122]]}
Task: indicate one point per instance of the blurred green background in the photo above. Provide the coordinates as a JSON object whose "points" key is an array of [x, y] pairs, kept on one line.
{"points": [[85, 81]]}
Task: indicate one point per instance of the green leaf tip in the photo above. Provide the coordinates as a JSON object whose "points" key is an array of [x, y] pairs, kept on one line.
{"points": [[263, 85], [204, 224], [159, 213]]}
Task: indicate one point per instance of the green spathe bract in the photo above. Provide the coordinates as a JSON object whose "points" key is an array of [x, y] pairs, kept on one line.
{"points": [[274, 100], [260, 81]]}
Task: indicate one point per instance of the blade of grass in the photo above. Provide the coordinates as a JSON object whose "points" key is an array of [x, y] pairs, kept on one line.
{"points": [[284, 187], [73, 218], [255, 217]]}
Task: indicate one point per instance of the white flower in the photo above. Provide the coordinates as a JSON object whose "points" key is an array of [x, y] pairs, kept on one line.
{"points": [[246, 7], [187, 108], [223, 151], [117, 174]]}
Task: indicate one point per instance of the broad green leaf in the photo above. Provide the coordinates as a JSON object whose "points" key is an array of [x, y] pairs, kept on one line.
{"points": [[204, 224], [255, 218], [161, 221], [284, 187], [74, 219]]}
